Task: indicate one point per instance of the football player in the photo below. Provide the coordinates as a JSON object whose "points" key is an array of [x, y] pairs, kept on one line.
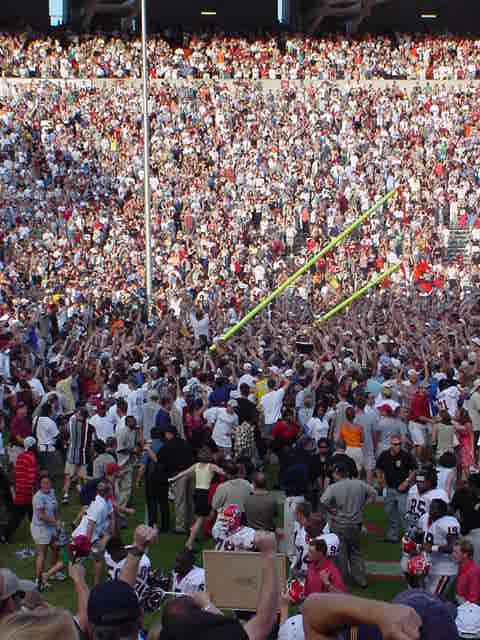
{"points": [[186, 577], [230, 534], [115, 557], [441, 531]]}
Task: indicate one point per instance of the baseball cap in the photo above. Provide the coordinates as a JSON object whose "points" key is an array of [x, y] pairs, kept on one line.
{"points": [[29, 443], [386, 408], [201, 624], [438, 620], [113, 603], [292, 629], [468, 620], [10, 584]]}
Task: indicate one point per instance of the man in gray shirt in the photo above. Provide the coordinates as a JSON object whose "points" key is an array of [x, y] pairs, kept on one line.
{"points": [[345, 501], [261, 507], [389, 424], [235, 490]]}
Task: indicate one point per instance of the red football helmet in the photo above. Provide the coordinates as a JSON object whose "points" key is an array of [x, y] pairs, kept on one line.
{"points": [[232, 516], [419, 566], [295, 590], [409, 546]]}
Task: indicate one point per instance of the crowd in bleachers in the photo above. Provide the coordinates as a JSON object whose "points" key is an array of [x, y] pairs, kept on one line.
{"points": [[216, 55], [248, 180]]}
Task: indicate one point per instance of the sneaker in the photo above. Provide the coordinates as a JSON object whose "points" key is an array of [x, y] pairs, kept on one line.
{"points": [[65, 500], [60, 576]]}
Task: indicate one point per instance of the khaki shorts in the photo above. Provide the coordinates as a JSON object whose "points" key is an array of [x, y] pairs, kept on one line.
{"points": [[75, 470]]}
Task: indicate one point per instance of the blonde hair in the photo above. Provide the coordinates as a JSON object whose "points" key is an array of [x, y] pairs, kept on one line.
{"points": [[41, 624]]}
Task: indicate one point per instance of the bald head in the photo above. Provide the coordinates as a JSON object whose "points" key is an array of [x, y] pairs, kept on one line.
{"points": [[259, 480]]}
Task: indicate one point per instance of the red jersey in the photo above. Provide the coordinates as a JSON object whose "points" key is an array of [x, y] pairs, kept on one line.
{"points": [[314, 582], [468, 582]]}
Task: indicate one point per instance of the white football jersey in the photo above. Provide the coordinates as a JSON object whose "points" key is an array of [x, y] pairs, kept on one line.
{"points": [[243, 539], [191, 583], [436, 533], [141, 584], [418, 504], [301, 541], [333, 543]]}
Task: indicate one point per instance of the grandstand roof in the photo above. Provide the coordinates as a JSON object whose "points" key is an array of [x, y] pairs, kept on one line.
{"points": [[461, 16]]}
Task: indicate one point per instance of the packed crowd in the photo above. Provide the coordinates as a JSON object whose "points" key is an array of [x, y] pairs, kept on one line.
{"points": [[119, 401], [285, 171], [176, 54]]}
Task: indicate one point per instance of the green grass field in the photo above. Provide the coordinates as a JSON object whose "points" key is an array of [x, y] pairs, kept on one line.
{"points": [[163, 552]]}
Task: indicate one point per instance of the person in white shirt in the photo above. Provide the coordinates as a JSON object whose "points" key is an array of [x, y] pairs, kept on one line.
{"points": [[271, 405], [97, 524], [224, 421], [117, 413], [247, 377], [440, 532], [200, 324], [46, 432], [102, 424], [35, 384]]}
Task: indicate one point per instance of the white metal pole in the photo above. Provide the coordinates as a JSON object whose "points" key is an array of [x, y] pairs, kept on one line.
{"points": [[146, 160]]}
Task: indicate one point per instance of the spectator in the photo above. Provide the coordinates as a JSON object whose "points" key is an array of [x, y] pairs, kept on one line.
{"points": [[203, 471], [176, 455], [80, 436], [468, 579], [412, 613], [20, 428], [127, 443], [45, 623], [395, 474], [45, 523], [261, 507], [235, 490], [46, 432], [12, 591], [345, 501], [26, 480], [323, 575]]}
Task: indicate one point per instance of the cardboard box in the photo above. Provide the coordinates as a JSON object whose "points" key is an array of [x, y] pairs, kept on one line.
{"points": [[233, 578]]}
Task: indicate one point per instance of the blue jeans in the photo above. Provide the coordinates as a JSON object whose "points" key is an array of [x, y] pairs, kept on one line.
{"points": [[395, 510]]}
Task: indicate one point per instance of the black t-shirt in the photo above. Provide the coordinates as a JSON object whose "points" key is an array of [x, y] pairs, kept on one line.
{"points": [[396, 468], [343, 460], [468, 505], [176, 455], [318, 468], [246, 411]]}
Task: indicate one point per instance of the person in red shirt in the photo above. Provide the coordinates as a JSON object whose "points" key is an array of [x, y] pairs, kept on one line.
{"points": [[286, 430], [323, 575], [26, 480], [20, 428], [420, 418], [468, 579]]}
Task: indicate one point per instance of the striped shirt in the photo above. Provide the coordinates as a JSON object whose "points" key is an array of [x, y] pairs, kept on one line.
{"points": [[80, 438], [26, 476]]}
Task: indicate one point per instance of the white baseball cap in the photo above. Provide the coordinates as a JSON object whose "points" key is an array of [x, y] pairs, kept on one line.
{"points": [[468, 620], [292, 629]]}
